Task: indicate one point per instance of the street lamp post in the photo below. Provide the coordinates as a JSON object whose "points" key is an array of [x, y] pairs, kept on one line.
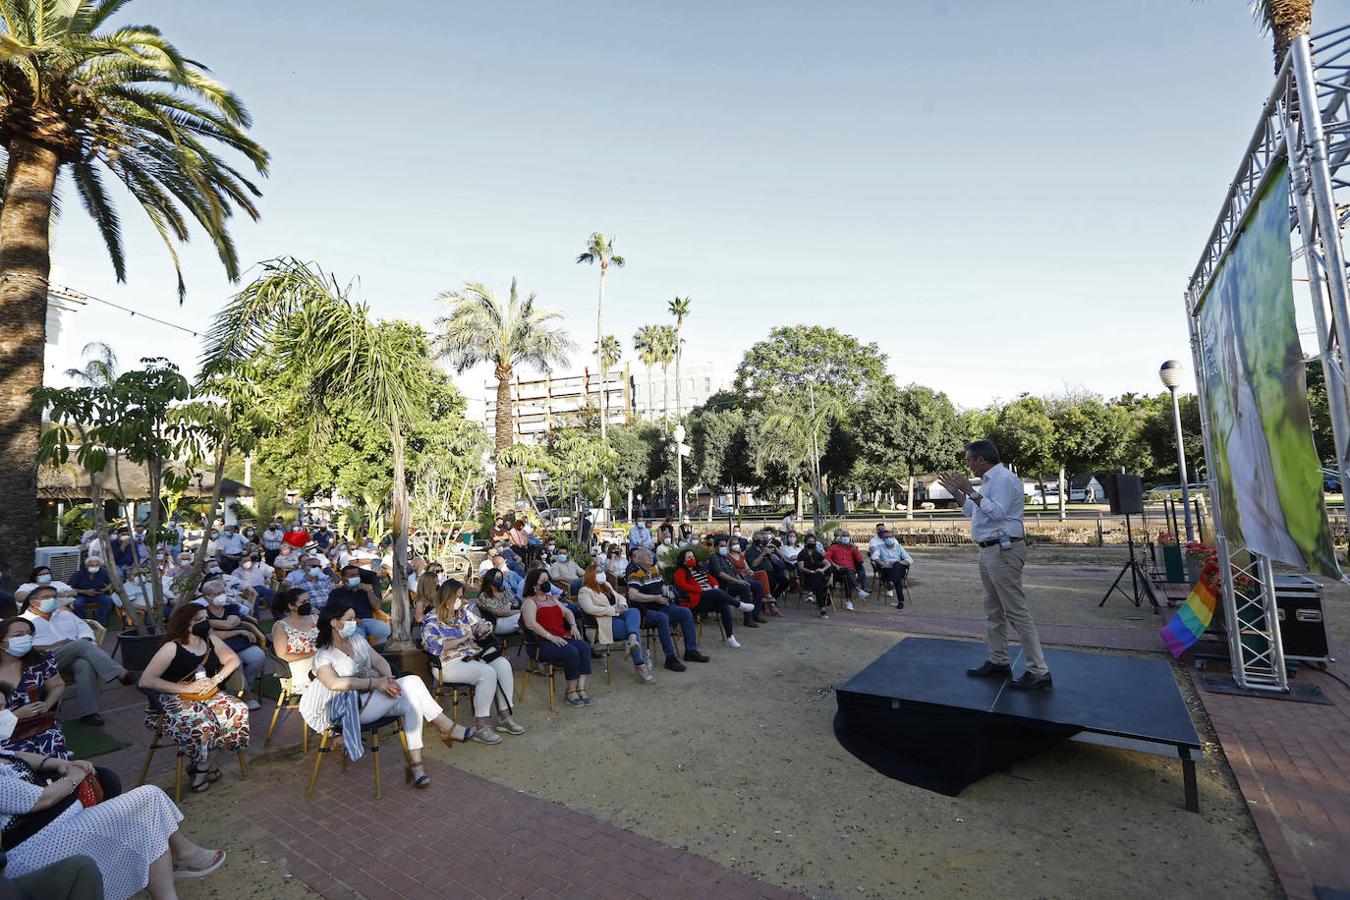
{"points": [[680, 450], [1170, 374]]}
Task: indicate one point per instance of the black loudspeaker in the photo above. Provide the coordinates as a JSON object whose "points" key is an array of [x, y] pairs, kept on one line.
{"points": [[1125, 493], [836, 504]]}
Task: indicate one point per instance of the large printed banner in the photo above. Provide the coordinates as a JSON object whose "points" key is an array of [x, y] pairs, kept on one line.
{"points": [[1266, 470]]}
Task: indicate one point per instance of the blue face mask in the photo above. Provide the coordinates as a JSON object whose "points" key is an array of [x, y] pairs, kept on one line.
{"points": [[20, 644], [353, 582]]}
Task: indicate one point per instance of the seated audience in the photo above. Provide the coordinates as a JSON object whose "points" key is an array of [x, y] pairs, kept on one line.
{"points": [[892, 564], [564, 572], [42, 575], [746, 592], [93, 590], [294, 634], [814, 570], [615, 563], [195, 714], [66, 636], [312, 578], [256, 575], [763, 558], [554, 627], [286, 561], [500, 532], [227, 623], [297, 536], [455, 633], [32, 689], [791, 547], [646, 591], [702, 594], [847, 566], [132, 839], [497, 604], [615, 620], [877, 539], [357, 594], [346, 662], [640, 535]]}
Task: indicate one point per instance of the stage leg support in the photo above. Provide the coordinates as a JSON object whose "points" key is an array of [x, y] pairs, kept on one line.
{"points": [[1188, 778]]}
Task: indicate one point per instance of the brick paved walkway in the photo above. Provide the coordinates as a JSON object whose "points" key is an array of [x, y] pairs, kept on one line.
{"points": [[1291, 761]]}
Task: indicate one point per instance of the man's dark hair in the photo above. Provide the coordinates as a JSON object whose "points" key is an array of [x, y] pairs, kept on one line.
{"points": [[985, 450]]}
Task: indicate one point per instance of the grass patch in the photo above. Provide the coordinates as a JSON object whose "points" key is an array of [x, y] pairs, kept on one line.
{"points": [[87, 741]]}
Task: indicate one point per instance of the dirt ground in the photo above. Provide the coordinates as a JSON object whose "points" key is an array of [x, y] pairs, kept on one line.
{"points": [[736, 761]]}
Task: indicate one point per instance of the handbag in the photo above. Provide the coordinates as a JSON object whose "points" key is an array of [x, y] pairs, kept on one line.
{"points": [[90, 791], [197, 698], [34, 725]]}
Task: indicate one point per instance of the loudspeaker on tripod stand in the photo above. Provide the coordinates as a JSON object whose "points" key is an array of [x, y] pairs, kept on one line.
{"points": [[1125, 493]]}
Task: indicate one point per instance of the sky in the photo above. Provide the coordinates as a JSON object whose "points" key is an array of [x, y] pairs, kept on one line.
{"points": [[1005, 197]]}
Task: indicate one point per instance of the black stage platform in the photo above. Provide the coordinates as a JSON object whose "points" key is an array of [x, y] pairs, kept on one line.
{"points": [[915, 715]]}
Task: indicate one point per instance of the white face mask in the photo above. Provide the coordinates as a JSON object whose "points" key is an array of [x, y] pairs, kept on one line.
{"points": [[844, 539], [722, 550], [890, 542], [667, 542], [247, 564], [44, 578], [562, 557], [600, 578], [47, 605], [91, 569], [348, 628]]}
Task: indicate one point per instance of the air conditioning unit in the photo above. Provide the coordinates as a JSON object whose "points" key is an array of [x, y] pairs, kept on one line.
{"points": [[63, 561]]}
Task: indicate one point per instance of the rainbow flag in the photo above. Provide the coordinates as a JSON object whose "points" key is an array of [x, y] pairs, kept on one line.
{"points": [[1191, 620]]}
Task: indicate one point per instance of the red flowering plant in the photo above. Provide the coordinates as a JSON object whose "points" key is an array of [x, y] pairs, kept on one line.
{"points": [[1208, 557], [1166, 538]]}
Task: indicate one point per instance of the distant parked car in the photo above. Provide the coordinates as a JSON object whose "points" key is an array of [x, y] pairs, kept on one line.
{"points": [[724, 510]]}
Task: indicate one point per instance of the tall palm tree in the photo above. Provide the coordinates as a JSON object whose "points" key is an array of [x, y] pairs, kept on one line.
{"points": [[1285, 20], [94, 101], [645, 342], [667, 343], [600, 251], [610, 352], [483, 328], [311, 329], [679, 308], [792, 433]]}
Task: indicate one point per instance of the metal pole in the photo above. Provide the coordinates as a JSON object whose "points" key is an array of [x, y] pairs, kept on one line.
{"points": [[1181, 466]]}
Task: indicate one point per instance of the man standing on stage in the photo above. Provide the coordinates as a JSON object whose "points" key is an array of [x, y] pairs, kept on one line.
{"points": [[995, 511]]}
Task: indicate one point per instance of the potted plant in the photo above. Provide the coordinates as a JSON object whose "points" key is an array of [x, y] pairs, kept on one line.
{"points": [[1173, 563]]}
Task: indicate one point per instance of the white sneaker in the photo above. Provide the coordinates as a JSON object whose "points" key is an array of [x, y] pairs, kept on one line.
{"points": [[808, 597], [862, 595], [733, 643], [848, 604], [747, 607]]}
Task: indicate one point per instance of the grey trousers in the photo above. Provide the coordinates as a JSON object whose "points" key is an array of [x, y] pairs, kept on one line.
{"points": [[1005, 602], [73, 878], [91, 667]]}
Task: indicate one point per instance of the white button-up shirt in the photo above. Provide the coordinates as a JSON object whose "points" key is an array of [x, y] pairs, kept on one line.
{"points": [[62, 626], [1000, 510], [889, 556]]}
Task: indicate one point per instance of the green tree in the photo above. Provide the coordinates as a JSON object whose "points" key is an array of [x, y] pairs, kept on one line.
{"points": [[646, 341], [1318, 410], [483, 328], [91, 101], [600, 251], [665, 348], [834, 364], [637, 448], [720, 457], [134, 417], [906, 432], [311, 328], [1157, 436], [679, 308], [793, 434], [1025, 437], [1087, 434]]}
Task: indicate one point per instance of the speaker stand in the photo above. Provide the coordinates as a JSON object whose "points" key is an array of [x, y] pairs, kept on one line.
{"points": [[1137, 576]]}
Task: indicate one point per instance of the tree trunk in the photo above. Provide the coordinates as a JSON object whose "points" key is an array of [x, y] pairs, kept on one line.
{"points": [[679, 352], [25, 264], [599, 346], [1063, 494], [651, 392], [199, 561], [1287, 21], [665, 394], [401, 626], [712, 498], [909, 505], [156, 470], [504, 492]]}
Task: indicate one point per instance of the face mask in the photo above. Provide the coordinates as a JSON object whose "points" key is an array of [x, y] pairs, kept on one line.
{"points": [[44, 579], [552, 547], [690, 562], [544, 586], [348, 629], [160, 556], [214, 570], [890, 542], [91, 569], [353, 582], [562, 557], [723, 550], [217, 600], [47, 604], [792, 542], [247, 564], [810, 545], [844, 539], [126, 539], [305, 608], [249, 533], [599, 577], [20, 644], [214, 535], [315, 572], [201, 629], [667, 542]]}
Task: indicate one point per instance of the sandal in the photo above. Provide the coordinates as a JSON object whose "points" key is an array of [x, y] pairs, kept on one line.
{"points": [[574, 699], [450, 740], [193, 786], [217, 858], [421, 782], [585, 698]]}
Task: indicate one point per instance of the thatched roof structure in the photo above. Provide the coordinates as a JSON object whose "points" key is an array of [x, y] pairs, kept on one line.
{"points": [[125, 481]]}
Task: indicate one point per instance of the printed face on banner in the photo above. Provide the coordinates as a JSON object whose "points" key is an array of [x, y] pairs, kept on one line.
{"points": [[1267, 473]]}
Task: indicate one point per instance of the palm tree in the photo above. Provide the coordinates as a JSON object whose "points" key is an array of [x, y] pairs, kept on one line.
{"points": [[666, 348], [93, 101], [1285, 20], [679, 308], [645, 343], [310, 328], [609, 352], [600, 250], [482, 328], [792, 434]]}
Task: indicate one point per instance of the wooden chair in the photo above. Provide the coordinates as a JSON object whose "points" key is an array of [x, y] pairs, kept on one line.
{"points": [[288, 700], [155, 707], [550, 672], [441, 688], [373, 729]]}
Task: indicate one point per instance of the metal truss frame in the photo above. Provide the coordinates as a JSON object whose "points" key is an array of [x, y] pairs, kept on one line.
{"points": [[1305, 122]]}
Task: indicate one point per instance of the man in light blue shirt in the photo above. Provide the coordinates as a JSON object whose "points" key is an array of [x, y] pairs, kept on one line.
{"points": [[995, 511], [640, 535], [892, 563], [312, 578]]}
